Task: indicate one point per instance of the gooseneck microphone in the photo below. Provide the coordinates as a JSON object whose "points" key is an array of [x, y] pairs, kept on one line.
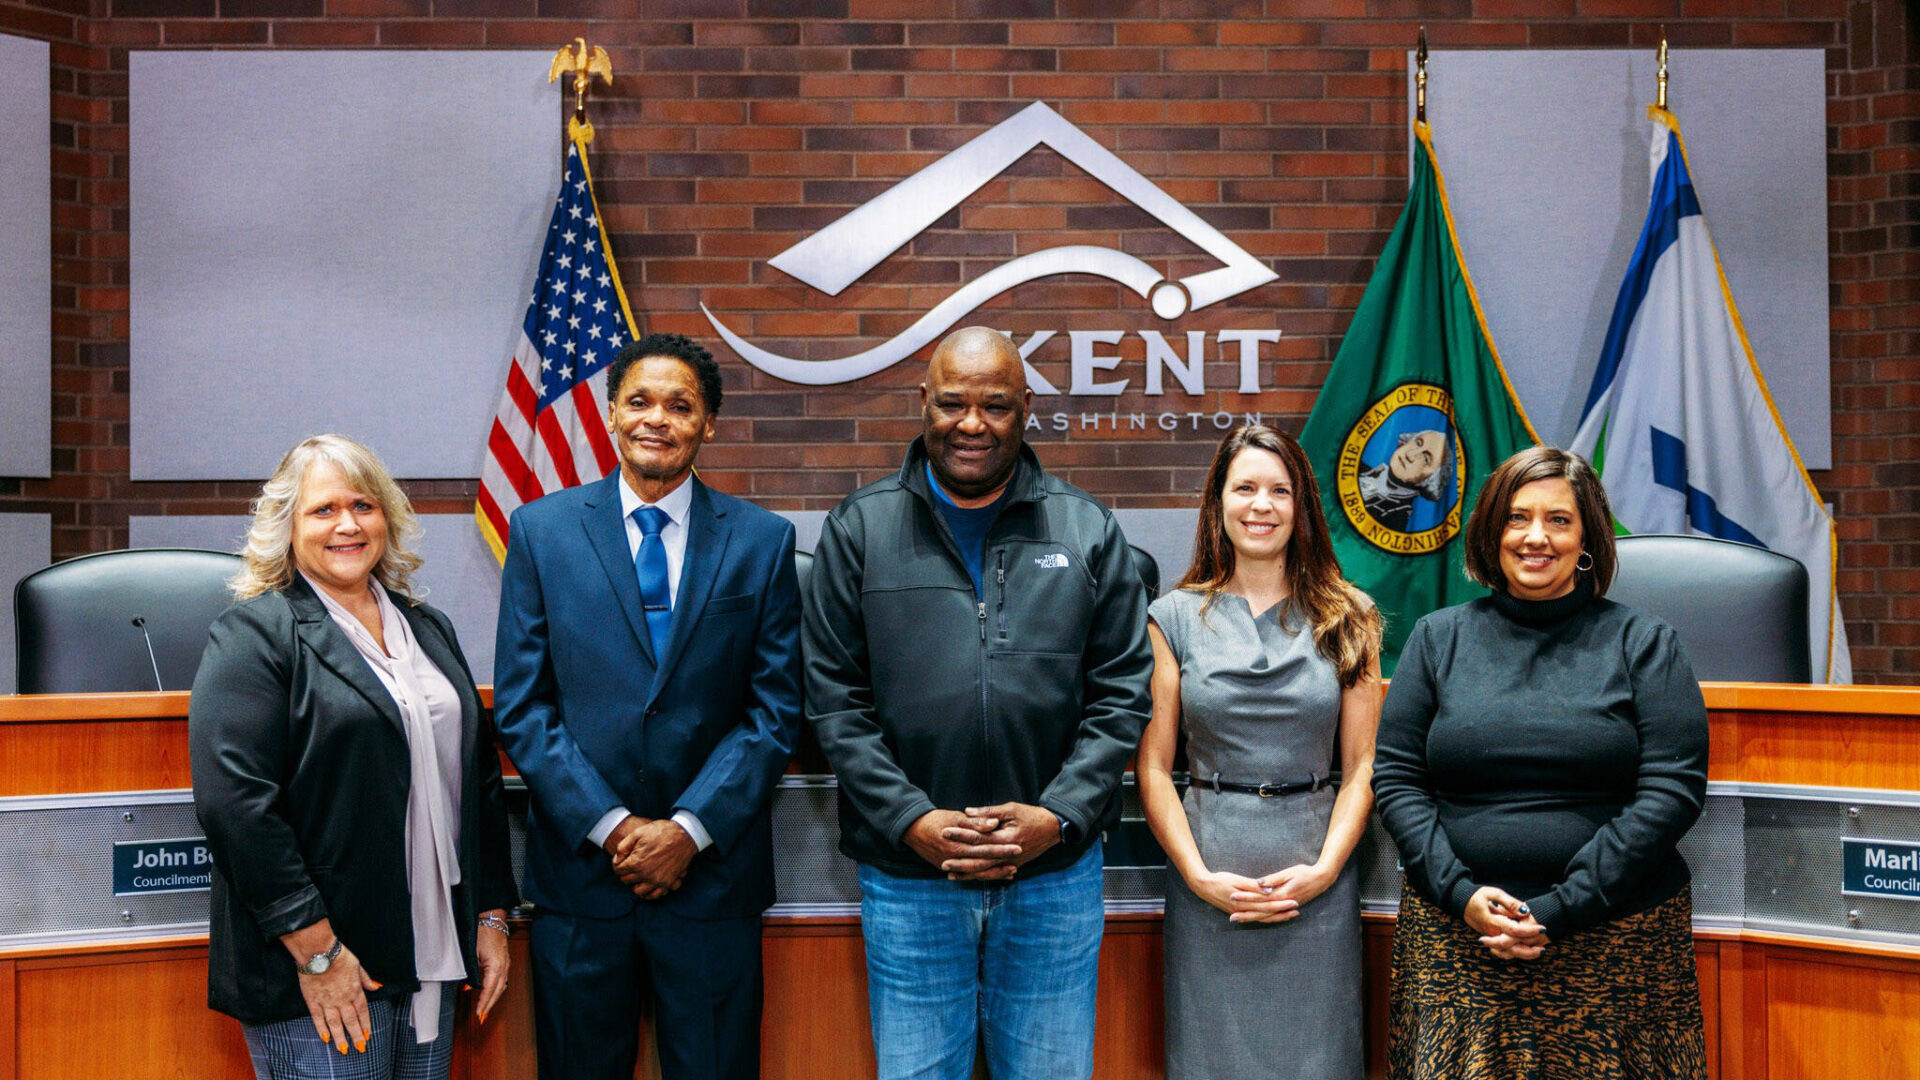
{"points": [[141, 622]]}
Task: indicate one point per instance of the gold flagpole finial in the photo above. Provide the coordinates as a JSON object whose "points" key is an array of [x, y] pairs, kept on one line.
{"points": [[584, 63], [1420, 79], [1660, 101]]}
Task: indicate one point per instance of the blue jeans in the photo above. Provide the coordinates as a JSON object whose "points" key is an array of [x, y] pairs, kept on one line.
{"points": [[948, 960]]}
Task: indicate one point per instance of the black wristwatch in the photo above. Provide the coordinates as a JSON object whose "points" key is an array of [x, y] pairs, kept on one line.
{"points": [[321, 960]]}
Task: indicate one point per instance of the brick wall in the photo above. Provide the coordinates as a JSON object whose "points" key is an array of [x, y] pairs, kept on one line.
{"points": [[737, 127]]}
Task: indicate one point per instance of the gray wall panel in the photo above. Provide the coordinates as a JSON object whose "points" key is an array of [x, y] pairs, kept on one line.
{"points": [[463, 580], [459, 573], [352, 251], [26, 545], [26, 262], [1545, 158]]}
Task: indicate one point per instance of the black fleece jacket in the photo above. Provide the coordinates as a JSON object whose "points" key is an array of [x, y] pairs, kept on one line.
{"points": [[926, 698]]}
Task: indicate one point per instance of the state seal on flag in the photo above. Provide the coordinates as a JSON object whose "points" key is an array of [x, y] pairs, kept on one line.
{"points": [[1401, 471]]}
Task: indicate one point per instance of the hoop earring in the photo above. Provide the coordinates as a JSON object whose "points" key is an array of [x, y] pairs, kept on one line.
{"points": [[1587, 568]]}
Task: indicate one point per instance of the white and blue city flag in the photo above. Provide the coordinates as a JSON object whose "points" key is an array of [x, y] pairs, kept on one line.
{"points": [[1678, 420]]}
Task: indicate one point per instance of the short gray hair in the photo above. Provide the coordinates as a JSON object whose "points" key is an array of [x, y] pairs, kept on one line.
{"points": [[269, 548]]}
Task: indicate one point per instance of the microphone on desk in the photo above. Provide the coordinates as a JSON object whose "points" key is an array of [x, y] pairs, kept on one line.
{"points": [[141, 622]]}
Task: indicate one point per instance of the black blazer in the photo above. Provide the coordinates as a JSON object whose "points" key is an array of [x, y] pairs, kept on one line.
{"points": [[300, 777]]}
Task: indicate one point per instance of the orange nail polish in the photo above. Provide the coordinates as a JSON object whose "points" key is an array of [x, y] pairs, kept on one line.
{"points": [[343, 1046], [377, 986], [360, 1045], [326, 1037]]}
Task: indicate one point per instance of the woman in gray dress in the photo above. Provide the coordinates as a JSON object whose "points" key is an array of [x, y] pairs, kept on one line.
{"points": [[1268, 662]]}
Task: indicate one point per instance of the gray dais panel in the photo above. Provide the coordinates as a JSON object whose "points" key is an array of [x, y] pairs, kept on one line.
{"points": [[350, 251], [809, 873], [59, 883], [459, 573], [1545, 158], [56, 884], [1716, 852], [26, 260], [26, 545], [1796, 863]]}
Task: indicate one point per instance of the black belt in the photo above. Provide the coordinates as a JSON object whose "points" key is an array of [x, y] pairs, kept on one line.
{"points": [[1269, 790]]}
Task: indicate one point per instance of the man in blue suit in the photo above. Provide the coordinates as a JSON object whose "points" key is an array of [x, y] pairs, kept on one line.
{"points": [[647, 688]]}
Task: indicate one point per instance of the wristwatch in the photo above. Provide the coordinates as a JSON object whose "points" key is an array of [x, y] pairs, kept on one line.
{"points": [[321, 960]]}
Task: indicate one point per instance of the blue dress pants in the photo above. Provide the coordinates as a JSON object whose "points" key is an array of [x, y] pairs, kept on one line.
{"points": [[590, 975]]}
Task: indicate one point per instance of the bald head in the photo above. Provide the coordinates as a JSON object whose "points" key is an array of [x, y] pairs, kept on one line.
{"points": [[978, 347], [974, 404]]}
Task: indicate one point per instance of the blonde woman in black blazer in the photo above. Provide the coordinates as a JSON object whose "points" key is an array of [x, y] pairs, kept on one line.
{"points": [[349, 787]]}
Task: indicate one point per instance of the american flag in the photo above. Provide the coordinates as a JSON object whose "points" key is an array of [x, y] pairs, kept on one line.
{"points": [[550, 431]]}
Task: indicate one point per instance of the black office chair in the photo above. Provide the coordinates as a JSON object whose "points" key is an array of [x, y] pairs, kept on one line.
{"points": [[1740, 610], [1149, 570], [85, 625], [803, 570]]}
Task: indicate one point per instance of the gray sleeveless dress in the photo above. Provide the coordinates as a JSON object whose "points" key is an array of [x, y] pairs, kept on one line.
{"points": [[1258, 704]]}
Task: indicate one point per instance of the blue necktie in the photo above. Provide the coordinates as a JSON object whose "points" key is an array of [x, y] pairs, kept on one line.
{"points": [[650, 565]]}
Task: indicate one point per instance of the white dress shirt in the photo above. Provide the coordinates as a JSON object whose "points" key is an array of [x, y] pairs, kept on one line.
{"points": [[674, 538]]}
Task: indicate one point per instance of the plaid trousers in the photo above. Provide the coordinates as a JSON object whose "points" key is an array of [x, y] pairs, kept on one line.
{"points": [[289, 1050]]}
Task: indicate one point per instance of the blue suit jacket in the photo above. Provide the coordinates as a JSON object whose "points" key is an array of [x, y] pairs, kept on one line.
{"points": [[594, 720]]}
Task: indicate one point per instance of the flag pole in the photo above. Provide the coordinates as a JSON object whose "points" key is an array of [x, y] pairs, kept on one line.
{"points": [[1660, 98], [584, 63], [1420, 79]]}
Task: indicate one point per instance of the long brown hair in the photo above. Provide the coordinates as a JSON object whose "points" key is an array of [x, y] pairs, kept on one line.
{"points": [[1346, 624]]}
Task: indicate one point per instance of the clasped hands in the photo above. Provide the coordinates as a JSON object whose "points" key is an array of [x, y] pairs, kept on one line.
{"points": [[983, 843], [650, 855], [1275, 898], [1506, 927]]}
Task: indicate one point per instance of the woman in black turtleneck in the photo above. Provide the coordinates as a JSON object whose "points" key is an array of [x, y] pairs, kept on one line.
{"points": [[1541, 753]]}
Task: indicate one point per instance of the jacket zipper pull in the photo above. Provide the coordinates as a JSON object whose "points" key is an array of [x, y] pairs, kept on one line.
{"points": [[1000, 571], [981, 610]]}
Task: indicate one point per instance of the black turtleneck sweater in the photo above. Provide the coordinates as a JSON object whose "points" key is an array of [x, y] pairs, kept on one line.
{"points": [[1554, 748]]}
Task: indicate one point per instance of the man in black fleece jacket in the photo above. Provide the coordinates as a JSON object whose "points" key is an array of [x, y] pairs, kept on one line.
{"points": [[976, 668]]}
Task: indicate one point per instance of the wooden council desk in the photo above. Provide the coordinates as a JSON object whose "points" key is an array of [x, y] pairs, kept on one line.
{"points": [[1779, 1006]]}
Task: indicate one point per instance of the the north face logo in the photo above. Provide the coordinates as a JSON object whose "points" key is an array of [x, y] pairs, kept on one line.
{"points": [[1055, 561]]}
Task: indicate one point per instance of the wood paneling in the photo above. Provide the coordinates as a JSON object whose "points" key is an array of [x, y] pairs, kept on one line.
{"points": [[1774, 1011], [93, 755], [1818, 735], [1829, 1017], [124, 1018], [1130, 1037], [9, 1022], [1706, 956], [816, 1025], [1826, 750]]}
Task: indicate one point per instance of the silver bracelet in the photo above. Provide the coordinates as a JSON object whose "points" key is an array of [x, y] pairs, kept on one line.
{"points": [[495, 922]]}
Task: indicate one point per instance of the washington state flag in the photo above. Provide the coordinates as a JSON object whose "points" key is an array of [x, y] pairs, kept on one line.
{"points": [[1415, 413]]}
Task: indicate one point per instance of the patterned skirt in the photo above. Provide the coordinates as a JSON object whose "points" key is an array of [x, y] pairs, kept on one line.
{"points": [[1618, 1002]]}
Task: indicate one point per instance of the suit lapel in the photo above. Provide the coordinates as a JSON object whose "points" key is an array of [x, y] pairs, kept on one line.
{"points": [[707, 534], [336, 653], [607, 532]]}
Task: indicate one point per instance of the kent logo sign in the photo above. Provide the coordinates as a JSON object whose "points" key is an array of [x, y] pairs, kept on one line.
{"points": [[143, 867], [840, 254]]}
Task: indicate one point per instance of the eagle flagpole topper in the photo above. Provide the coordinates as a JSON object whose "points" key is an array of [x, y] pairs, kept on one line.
{"points": [[584, 63]]}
